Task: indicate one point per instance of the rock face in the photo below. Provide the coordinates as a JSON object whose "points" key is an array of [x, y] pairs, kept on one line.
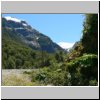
{"points": [[29, 35]]}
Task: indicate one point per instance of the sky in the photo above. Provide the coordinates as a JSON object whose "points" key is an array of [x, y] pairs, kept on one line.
{"points": [[63, 29]]}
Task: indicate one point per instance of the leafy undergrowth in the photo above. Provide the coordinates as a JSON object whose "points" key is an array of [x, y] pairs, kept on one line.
{"points": [[47, 76], [83, 70]]}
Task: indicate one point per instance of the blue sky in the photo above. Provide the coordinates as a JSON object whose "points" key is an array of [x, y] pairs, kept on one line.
{"points": [[63, 29]]}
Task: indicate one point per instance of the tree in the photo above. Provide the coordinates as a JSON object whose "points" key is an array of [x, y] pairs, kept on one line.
{"points": [[90, 34], [83, 70], [33, 54], [18, 63], [11, 63], [59, 56], [45, 61]]}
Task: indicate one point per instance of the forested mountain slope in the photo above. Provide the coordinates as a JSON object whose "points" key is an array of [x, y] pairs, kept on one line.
{"points": [[28, 35], [78, 67]]}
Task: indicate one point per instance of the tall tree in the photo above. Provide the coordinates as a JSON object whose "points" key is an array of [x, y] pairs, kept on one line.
{"points": [[90, 34]]}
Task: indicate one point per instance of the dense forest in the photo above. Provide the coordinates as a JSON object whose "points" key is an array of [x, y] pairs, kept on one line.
{"points": [[78, 67]]}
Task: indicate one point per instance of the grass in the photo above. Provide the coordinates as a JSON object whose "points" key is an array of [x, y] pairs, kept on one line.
{"points": [[14, 80], [17, 79]]}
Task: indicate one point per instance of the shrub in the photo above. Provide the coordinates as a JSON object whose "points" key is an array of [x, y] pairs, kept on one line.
{"points": [[82, 69], [47, 76]]}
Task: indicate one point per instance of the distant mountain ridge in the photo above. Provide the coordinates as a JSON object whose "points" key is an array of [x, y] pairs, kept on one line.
{"points": [[28, 35]]}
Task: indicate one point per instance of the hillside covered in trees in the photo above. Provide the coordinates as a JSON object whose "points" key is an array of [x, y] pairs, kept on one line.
{"points": [[54, 66]]}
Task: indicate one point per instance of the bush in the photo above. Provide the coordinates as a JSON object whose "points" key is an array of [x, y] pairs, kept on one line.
{"points": [[56, 78], [82, 69], [47, 76], [40, 75], [93, 82], [90, 34]]}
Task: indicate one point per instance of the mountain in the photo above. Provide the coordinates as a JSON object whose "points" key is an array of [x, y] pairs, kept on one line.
{"points": [[21, 31]]}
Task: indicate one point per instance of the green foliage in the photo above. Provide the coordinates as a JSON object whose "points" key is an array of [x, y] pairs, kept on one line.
{"points": [[93, 82], [90, 34], [77, 68], [83, 69], [39, 75], [47, 76], [57, 78], [11, 63], [76, 51], [16, 55], [59, 56]]}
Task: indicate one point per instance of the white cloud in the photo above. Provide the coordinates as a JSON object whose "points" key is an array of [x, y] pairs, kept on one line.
{"points": [[13, 19], [66, 45]]}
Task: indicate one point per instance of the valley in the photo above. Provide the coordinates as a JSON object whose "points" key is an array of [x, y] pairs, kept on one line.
{"points": [[30, 58]]}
